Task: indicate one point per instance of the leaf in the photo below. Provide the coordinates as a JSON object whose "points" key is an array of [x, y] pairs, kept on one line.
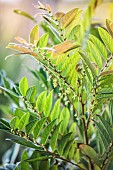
{"points": [[67, 148], [105, 73], [109, 25], [30, 94], [30, 127], [54, 137], [72, 150], [64, 117], [41, 158], [10, 92], [22, 49], [23, 121], [90, 65], [21, 40], [95, 54], [62, 143], [106, 126], [73, 129], [48, 104], [19, 113], [59, 15], [23, 86], [99, 45], [103, 135], [24, 165], [43, 40], [34, 35], [107, 39], [5, 123], [90, 152], [68, 18], [14, 123], [38, 127], [24, 14], [26, 143], [56, 110], [47, 132], [40, 102], [64, 47]]}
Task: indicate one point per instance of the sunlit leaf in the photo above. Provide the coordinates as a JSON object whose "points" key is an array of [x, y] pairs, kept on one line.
{"points": [[107, 39], [24, 14], [23, 86], [34, 35], [38, 127], [47, 131], [23, 121]]}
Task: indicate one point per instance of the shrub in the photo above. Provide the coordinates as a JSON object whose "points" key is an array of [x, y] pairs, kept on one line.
{"points": [[70, 124]]}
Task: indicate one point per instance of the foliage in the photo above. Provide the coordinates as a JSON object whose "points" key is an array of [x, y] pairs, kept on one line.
{"points": [[69, 124]]}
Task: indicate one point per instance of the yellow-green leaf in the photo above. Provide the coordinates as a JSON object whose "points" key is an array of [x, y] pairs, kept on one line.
{"points": [[41, 100], [23, 86], [34, 35], [107, 39]]}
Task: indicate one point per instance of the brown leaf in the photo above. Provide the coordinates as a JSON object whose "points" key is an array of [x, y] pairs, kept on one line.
{"points": [[109, 25], [23, 50], [109, 72], [68, 18], [59, 15], [21, 40], [63, 48]]}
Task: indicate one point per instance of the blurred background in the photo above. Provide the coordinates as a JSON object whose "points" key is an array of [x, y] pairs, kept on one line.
{"points": [[12, 25]]}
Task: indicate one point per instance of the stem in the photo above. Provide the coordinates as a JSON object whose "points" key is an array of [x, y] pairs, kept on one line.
{"points": [[105, 161], [91, 167], [27, 137], [84, 124]]}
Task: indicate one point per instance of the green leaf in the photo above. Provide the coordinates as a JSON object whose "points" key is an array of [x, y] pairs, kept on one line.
{"points": [[24, 14], [64, 117], [54, 137], [23, 121], [30, 94], [41, 158], [99, 45], [23, 86], [62, 143], [41, 100], [38, 127], [5, 123], [54, 167], [14, 123], [103, 135], [107, 39], [19, 113], [90, 65], [24, 165], [34, 35], [30, 127], [48, 104], [72, 150], [43, 40], [10, 92], [106, 126], [47, 131], [73, 129], [90, 152], [26, 143], [95, 54], [67, 148], [56, 110]]}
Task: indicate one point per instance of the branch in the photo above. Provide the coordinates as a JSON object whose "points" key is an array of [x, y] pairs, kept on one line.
{"points": [[27, 137]]}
